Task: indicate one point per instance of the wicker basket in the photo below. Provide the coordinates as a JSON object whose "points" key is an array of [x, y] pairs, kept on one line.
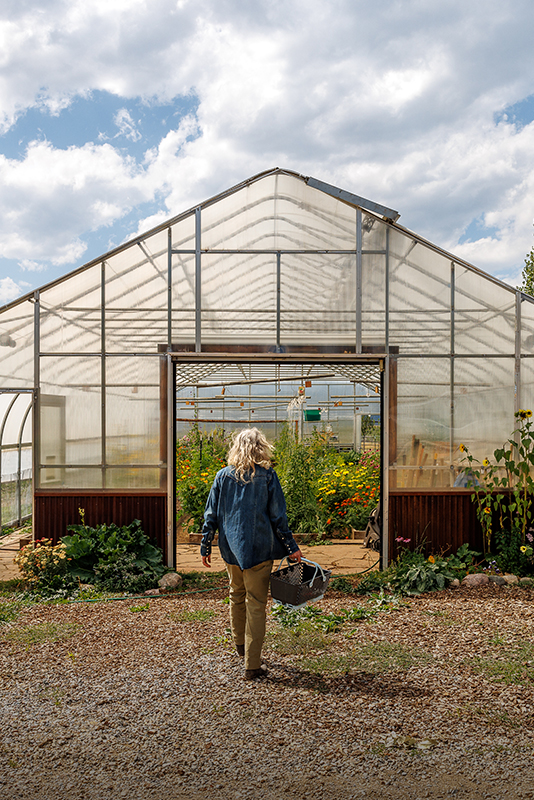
{"points": [[298, 584]]}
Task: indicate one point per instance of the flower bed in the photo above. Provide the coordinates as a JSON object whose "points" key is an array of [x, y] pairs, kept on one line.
{"points": [[327, 492]]}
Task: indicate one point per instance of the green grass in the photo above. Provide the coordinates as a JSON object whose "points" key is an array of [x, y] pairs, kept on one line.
{"points": [[203, 580], [9, 611], [13, 586], [376, 659], [298, 640], [42, 632], [514, 664], [442, 617], [135, 609], [200, 615]]}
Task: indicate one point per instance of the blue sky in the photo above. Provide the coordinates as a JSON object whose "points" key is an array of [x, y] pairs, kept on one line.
{"points": [[114, 117]]}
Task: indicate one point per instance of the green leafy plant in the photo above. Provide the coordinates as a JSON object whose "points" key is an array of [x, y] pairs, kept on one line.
{"points": [[503, 496], [374, 582], [425, 576], [123, 573], [116, 558], [44, 567], [199, 456], [137, 609], [463, 560], [342, 584], [298, 465]]}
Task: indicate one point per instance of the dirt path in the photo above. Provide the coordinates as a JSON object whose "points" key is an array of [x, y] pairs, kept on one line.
{"points": [[146, 701]]}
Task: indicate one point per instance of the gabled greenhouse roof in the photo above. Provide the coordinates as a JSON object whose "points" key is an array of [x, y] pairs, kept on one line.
{"points": [[387, 214], [278, 261]]}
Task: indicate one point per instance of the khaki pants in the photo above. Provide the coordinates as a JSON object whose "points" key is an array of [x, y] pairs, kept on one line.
{"points": [[248, 597]]}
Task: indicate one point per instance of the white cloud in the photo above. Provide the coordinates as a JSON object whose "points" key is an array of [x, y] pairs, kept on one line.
{"points": [[9, 290], [52, 196], [126, 125], [394, 102], [27, 265]]}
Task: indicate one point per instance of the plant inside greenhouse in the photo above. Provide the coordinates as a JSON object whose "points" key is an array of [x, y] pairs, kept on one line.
{"points": [[328, 492]]}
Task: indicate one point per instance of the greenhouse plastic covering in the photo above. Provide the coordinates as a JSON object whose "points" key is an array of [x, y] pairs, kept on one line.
{"points": [[276, 264]]}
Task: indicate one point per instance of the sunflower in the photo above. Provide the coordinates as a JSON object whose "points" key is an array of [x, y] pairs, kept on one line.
{"points": [[523, 549], [486, 463], [463, 448]]}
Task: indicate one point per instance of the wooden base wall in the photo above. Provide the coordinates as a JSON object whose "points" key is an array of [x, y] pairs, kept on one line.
{"points": [[53, 512], [444, 519]]}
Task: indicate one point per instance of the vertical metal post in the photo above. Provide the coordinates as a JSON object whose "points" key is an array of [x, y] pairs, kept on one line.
{"points": [[36, 416], [358, 280], [384, 455], [103, 456], [198, 284], [517, 376], [386, 298], [451, 360], [170, 546], [19, 466], [2, 428], [169, 288], [278, 290]]}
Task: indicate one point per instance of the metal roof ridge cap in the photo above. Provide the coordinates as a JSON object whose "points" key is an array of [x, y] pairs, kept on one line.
{"points": [[353, 199]]}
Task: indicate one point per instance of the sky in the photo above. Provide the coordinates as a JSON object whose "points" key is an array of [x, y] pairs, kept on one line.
{"points": [[118, 114]]}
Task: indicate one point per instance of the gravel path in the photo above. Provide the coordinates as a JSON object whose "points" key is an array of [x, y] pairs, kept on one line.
{"points": [[143, 704]]}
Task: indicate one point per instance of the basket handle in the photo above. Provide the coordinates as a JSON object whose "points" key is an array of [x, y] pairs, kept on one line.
{"points": [[318, 567]]}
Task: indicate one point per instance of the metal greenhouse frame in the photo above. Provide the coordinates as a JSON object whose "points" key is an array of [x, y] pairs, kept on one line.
{"points": [[280, 269]]}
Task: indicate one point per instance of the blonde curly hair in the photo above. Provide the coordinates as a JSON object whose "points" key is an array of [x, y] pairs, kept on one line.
{"points": [[249, 449]]}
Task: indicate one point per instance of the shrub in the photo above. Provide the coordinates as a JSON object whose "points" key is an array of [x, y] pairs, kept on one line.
{"points": [[116, 558], [503, 496], [123, 573], [44, 567], [199, 456]]}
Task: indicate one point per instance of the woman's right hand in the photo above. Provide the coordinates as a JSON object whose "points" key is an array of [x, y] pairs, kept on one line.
{"points": [[296, 556]]}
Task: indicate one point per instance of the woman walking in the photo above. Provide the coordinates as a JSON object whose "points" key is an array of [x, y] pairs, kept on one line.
{"points": [[246, 506]]}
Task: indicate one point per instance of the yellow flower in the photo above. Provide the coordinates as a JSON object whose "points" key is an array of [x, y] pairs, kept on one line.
{"points": [[487, 510], [431, 559], [528, 413], [486, 462], [523, 549], [463, 448]]}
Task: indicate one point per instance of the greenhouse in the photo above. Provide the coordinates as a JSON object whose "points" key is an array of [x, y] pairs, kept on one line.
{"points": [[282, 301]]}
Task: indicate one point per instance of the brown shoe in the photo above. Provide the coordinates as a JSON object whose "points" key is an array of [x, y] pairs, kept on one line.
{"points": [[240, 650], [252, 674]]}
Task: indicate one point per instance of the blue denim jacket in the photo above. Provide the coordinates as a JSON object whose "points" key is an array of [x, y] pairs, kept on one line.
{"points": [[250, 517]]}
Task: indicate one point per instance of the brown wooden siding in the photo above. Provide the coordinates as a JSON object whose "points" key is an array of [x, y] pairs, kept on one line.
{"points": [[445, 519], [53, 512]]}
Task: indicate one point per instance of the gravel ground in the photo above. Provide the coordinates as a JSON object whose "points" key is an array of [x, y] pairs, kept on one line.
{"points": [[142, 704]]}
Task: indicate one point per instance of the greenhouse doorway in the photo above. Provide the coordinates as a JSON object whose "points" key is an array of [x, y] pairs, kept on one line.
{"points": [[334, 400]]}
